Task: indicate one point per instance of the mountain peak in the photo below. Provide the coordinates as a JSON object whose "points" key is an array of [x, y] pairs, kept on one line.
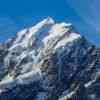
{"points": [[46, 21], [49, 61], [50, 20], [44, 32]]}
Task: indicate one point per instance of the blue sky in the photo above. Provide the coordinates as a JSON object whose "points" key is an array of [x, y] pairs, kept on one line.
{"points": [[18, 14]]}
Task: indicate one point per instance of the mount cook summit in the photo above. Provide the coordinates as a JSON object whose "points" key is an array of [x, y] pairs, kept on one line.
{"points": [[49, 61]]}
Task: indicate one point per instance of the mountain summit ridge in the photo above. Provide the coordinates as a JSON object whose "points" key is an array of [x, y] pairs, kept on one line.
{"points": [[50, 61], [44, 29]]}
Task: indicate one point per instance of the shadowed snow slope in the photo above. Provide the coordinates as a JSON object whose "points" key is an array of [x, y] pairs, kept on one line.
{"points": [[48, 61]]}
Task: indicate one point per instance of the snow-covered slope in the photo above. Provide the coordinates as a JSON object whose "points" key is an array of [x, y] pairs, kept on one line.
{"points": [[36, 42], [47, 59]]}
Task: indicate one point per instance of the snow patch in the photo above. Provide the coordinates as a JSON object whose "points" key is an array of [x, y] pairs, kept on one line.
{"points": [[67, 39]]}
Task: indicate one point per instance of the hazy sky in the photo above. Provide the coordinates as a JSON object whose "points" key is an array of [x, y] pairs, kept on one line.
{"points": [[18, 14]]}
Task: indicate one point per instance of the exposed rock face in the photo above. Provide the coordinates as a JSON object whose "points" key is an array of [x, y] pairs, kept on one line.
{"points": [[49, 61]]}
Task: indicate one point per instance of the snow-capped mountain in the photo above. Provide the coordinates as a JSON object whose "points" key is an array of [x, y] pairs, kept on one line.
{"points": [[49, 61]]}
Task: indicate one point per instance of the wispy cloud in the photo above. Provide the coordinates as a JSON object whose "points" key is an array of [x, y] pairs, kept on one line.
{"points": [[89, 12]]}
